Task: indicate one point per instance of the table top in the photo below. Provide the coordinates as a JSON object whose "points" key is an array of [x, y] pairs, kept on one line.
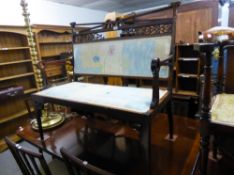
{"points": [[131, 99]]}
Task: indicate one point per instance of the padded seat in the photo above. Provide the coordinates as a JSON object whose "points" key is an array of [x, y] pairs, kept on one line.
{"points": [[223, 109], [131, 99]]}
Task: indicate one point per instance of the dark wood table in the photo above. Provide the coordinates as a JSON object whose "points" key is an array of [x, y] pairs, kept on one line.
{"points": [[63, 136]]}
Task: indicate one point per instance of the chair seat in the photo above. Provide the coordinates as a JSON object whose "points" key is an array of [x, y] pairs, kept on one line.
{"points": [[130, 99], [222, 111]]}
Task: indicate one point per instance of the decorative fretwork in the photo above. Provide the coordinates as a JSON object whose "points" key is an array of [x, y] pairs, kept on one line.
{"points": [[89, 37], [148, 30], [32, 44], [140, 29]]}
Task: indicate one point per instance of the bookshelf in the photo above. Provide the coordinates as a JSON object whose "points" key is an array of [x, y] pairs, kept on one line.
{"points": [[188, 70], [16, 70], [52, 42]]}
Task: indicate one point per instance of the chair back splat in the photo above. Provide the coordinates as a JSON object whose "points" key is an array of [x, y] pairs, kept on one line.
{"points": [[30, 163], [78, 166]]}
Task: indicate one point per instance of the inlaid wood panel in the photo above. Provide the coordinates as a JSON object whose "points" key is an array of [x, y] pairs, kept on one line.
{"points": [[195, 17], [189, 23]]}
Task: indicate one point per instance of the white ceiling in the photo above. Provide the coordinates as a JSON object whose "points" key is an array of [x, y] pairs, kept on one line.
{"points": [[116, 5]]}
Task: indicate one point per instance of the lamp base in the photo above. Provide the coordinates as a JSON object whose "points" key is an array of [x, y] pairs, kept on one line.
{"points": [[53, 119]]}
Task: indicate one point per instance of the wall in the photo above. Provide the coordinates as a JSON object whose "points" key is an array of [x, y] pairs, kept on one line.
{"points": [[45, 12]]}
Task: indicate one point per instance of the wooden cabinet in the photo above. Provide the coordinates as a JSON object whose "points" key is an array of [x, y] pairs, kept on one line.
{"points": [[188, 70], [16, 70]]}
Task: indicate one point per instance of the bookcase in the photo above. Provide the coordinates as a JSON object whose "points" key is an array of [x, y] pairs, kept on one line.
{"points": [[188, 70], [52, 42], [16, 71]]}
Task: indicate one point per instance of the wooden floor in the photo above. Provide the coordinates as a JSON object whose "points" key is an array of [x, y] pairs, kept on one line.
{"points": [[174, 158], [168, 158]]}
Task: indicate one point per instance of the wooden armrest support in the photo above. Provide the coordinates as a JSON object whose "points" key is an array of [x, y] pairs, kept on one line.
{"points": [[155, 67]]}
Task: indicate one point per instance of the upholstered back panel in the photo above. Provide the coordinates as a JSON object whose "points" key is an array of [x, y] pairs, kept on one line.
{"points": [[122, 57]]}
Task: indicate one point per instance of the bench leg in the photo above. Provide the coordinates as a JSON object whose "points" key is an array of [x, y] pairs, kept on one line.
{"points": [[146, 143], [204, 154], [170, 120]]}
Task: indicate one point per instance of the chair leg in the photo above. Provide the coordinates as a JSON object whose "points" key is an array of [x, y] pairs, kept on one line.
{"points": [[204, 142], [113, 146], [215, 147]]}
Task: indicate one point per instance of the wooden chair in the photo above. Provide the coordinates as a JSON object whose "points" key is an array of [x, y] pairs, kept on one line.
{"points": [[222, 118], [27, 160], [34, 163], [217, 110], [76, 165]]}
